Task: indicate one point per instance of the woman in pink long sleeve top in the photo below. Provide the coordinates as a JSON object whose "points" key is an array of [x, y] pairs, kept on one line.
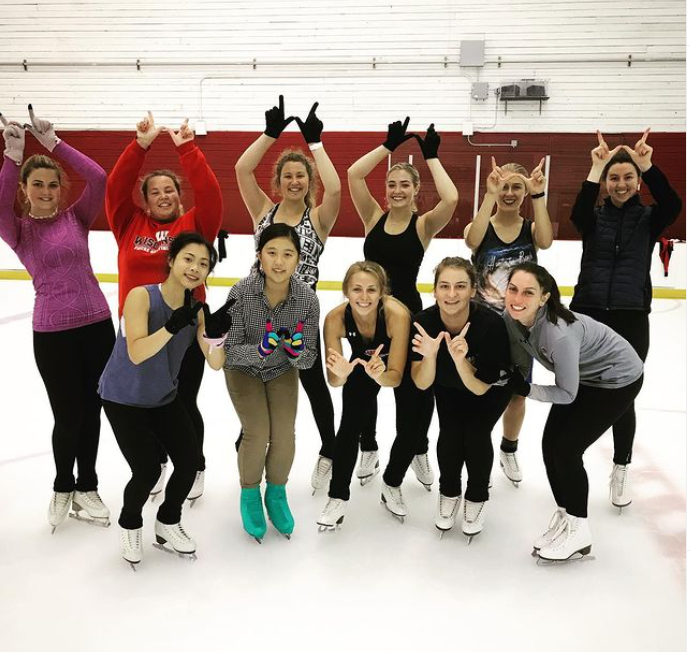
{"points": [[73, 331]]}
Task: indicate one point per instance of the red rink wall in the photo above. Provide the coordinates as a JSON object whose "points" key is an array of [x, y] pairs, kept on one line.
{"points": [[569, 153]]}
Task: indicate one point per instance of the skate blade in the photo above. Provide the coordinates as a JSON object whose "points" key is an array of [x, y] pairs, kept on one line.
{"points": [[132, 565], [193, 500], [580, 555], [99, 521], [323, 527], [398, 517], [154, 496], [470, 537], [189, 556]]}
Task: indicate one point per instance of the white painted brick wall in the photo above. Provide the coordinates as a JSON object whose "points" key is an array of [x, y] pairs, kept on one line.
{"points": [[322, 49]]}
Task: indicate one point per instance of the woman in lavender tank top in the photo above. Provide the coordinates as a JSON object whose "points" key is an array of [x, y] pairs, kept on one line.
{"points": [[73, 332]]}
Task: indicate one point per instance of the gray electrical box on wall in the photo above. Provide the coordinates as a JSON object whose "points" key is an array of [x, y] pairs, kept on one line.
{"points": [[472, 53], [480, 90]]}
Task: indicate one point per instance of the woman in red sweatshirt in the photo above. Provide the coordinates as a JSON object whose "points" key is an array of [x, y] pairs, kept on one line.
{"points": [[144, 234]]}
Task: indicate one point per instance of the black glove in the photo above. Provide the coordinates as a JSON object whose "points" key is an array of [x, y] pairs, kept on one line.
{"points": [[217, 324], [430, 143], [396, 134], [275, 119], [312, 127], [517, 384], [183, 316]]}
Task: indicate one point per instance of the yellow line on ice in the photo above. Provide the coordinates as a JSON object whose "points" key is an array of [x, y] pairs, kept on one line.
{"points": [[566, 291]]}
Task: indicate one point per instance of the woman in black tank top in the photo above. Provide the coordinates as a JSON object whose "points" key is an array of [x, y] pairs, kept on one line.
{"points": [[397, 239], [294, 180], [499, 240], [377, 328]]}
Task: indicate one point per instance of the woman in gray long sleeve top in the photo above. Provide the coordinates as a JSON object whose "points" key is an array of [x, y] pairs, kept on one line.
{"points": [[598, 375]]}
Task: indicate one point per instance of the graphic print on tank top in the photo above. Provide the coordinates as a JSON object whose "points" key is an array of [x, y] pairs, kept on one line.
{"points": [[311, 246], [493, 261], [364, 348]]}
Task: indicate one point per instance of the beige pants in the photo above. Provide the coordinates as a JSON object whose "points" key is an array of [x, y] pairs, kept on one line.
{"points": [[267, 412]]}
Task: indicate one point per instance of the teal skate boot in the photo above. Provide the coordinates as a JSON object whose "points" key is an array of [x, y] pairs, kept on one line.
{"points": [[278, 509], [252, 511]]}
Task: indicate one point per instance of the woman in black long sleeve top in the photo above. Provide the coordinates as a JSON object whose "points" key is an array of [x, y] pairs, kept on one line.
{"points": [[618, 238]]}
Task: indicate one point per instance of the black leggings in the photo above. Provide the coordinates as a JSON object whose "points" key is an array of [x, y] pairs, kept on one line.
{"points": [[359, 395], [414, 409], [359, 399], [139, 433], [420, 408], [314, 383], [570, 430], [633, 325], [71, 363], [465, 424], [188, 384]]}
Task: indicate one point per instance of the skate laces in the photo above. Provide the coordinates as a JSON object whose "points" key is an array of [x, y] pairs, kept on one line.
{"points": [[562, 533], [448, 505], [323, 466], [396, 494], [93, 499], [422, 462], [618, 478], [369, 459], [511, 460], [472, 510], [332, 505]]}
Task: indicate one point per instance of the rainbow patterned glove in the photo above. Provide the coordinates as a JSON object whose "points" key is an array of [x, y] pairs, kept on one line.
{"points": [[270, 341], [294, 344]]}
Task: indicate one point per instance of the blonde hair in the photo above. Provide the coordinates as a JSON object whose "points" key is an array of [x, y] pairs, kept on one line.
{"points": [[296, 156], [414, 174], [368, 267]]}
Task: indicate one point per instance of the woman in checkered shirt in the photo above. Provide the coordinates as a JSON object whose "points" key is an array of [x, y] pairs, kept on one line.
{"points": [[274, 335]]}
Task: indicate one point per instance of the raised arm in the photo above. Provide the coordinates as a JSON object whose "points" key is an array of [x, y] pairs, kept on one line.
{"points": [[87, 207], [435, 220], [668, 203], [122, 180], [258, 203], [475, 231], [326, 213], [542, 230], [208, 199], [366, 206], [13, 134], [582, 214]]}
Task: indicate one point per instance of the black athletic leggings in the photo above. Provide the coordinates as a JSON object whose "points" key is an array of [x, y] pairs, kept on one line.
{"points": [[570, 430], [633, 325], [313, 381], [188, 384], [139, 433], [359, 398], [465, 424], [71, 363], [359, 395]]}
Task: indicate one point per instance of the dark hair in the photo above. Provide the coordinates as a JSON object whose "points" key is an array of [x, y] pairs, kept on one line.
{"points": [[159, 173], [547, 283], [621, 156], [279, 231], [192, 237], [456, 263]]}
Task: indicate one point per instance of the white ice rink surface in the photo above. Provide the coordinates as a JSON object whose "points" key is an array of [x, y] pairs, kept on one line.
{"points": [[373, 585]]}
